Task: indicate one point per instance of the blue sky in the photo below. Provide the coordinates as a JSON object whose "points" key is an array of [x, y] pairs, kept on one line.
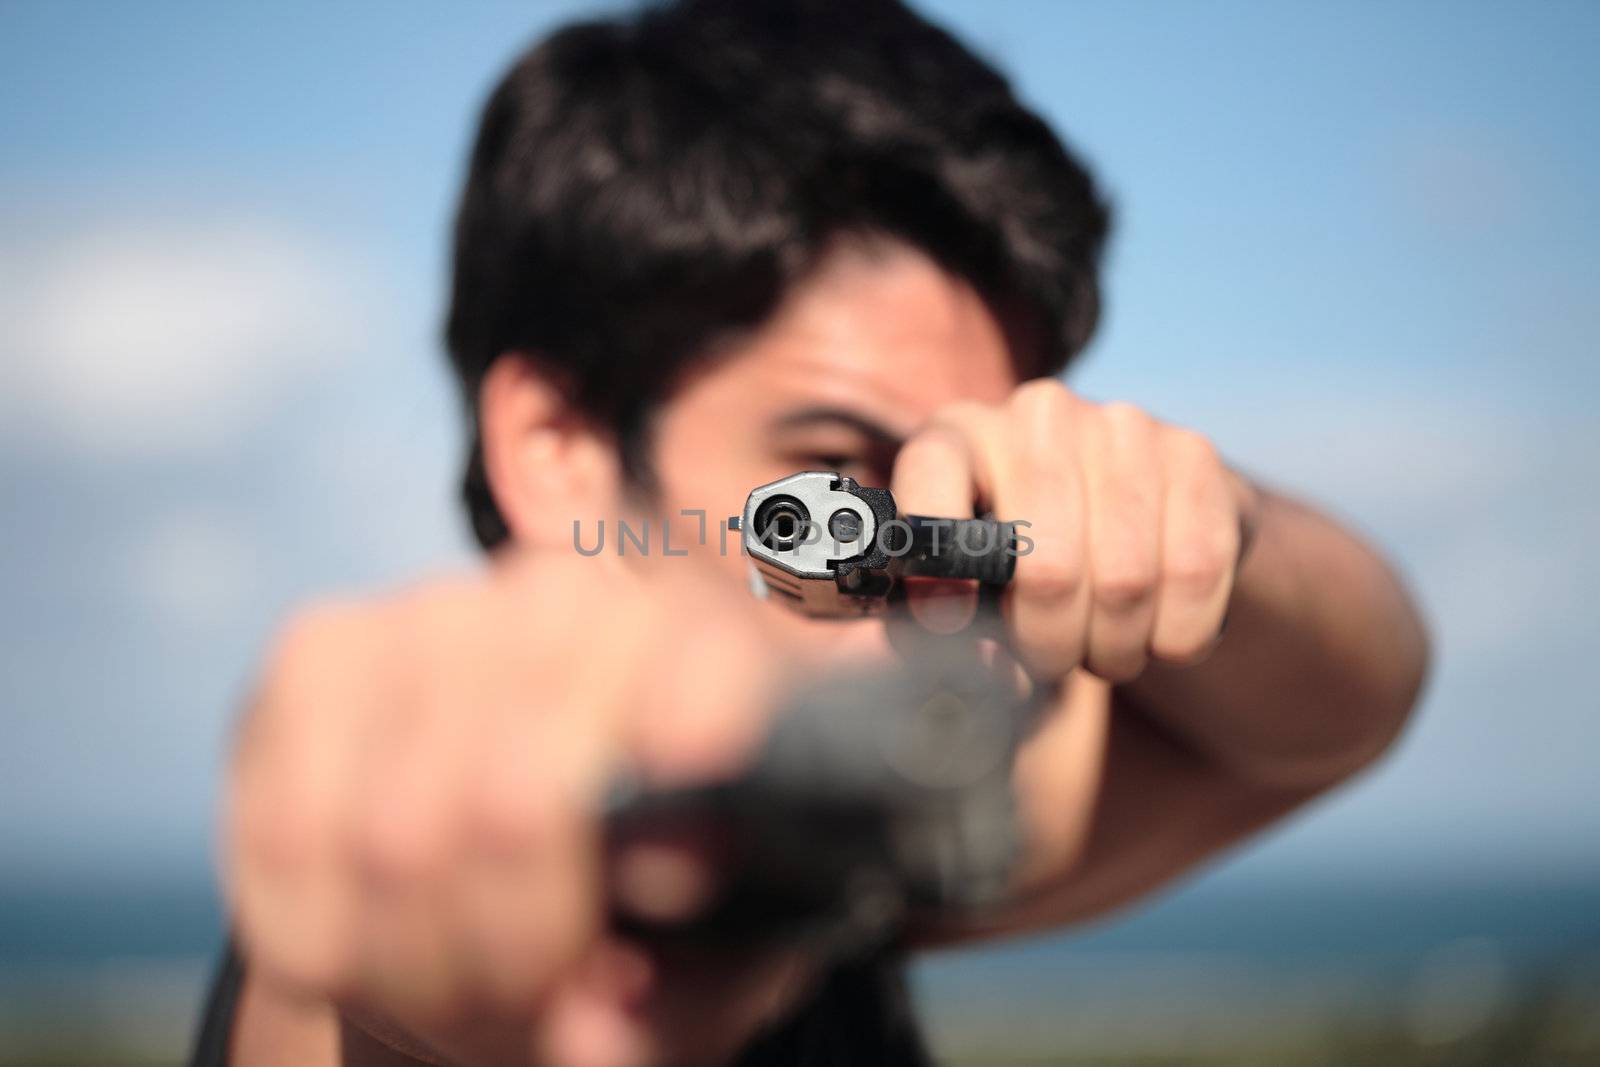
{"points": [[1357, 245]]}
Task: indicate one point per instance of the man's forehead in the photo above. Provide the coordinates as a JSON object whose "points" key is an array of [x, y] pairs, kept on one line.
{"points": [[890, 334]]}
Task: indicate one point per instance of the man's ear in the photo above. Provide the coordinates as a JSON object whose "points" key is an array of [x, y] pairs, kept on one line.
{"points": [[547, 465]]}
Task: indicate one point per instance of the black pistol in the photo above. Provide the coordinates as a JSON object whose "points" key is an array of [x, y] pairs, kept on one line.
{"points": [[876, 797], [836, 548]]}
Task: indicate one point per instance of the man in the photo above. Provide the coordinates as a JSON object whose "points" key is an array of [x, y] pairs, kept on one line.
{"points": [[701, 247]]}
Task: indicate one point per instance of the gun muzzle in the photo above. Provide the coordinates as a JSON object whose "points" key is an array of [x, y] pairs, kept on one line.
{"points": [[832, 547]]}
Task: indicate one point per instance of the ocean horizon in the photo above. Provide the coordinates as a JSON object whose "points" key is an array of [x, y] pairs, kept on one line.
{"points": [[1216, 963]]}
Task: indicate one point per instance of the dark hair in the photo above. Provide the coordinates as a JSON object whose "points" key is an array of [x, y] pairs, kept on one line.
{"points": [[645, 187]]}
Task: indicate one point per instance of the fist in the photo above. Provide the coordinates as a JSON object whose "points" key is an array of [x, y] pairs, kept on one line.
{"points": [[411, 822], [1137, 526]]}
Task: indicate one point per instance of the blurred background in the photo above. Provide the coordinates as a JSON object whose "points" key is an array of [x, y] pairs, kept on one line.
{"points": [[1359, 246]]}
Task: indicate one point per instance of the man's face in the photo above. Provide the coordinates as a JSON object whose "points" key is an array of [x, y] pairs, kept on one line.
{"points": [[857, 358]]}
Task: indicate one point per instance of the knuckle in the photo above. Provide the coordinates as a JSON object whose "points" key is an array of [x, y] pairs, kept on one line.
{"points": [[280, 837], [390, 851], [1042, 405], [278, 814], [505, 818], [1198, 565], [1195, 449], [1052, 658], [298, 937], [1044, 394], [272, 824], [1051, 579], [1123, 415], [1130, 427], [321, 964], [1226, 542], [1124, 585], [1196, 571]]}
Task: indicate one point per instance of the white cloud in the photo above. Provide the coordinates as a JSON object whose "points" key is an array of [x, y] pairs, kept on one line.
{"points": [[150, 337]]}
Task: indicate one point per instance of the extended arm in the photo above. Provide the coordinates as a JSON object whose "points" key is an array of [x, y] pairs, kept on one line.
{"points": [[1203, 700]]}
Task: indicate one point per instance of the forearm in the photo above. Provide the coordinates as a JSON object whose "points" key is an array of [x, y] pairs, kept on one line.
{"points": [[1321, 659]]}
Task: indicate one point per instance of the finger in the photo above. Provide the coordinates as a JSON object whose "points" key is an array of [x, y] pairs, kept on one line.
{"points": [[1200, 547], [524, 902], [404, 853], [1123, 481], [684, 733], [933, 476], [590, 1022], [1034, 474]]}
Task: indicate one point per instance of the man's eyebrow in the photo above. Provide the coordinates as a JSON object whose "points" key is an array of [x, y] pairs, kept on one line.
{"points": [[825, 415]]}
